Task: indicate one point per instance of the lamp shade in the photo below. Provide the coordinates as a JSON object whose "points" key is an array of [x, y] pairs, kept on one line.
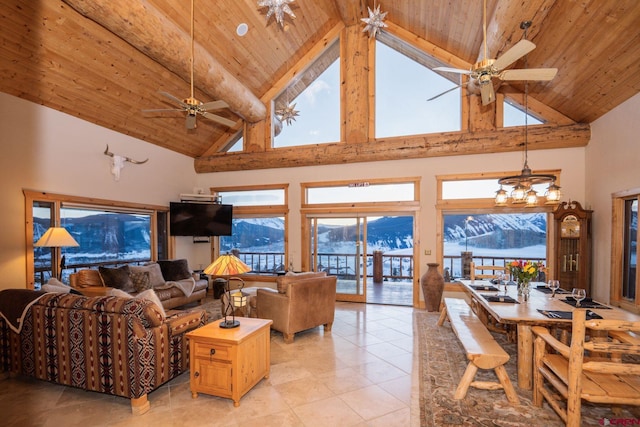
{"points": [[56, 237], [227, 265]]}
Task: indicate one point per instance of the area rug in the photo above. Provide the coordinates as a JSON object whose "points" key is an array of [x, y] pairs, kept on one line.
{"points": [[442, 362]]}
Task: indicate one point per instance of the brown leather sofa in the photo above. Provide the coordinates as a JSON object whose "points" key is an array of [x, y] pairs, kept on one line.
{"points": [[164, 280], [303, 301]]}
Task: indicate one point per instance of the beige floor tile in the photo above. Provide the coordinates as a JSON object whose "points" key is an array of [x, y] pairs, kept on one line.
{"points": [[321, 379], [371, 402], [328, 412]]}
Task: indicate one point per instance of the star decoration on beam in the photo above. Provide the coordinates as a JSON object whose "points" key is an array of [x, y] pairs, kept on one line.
{"points": [[287, 114], [277, 8], [374, 21]]}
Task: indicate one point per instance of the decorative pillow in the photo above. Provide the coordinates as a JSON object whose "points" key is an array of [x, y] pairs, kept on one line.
{"points": [[155, 274], [174, 270], [115, 292], [149, 295], [117, 277], [141, 281]]}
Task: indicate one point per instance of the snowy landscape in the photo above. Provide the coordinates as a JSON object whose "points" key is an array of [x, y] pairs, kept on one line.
{"points": [[504, 236]]}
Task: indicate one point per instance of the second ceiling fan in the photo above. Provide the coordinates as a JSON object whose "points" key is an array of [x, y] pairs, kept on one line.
{"points": [[191, 105], [482, 73]]}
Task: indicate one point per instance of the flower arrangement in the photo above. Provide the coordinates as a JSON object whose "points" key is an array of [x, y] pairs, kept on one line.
{"points": [[524, 272]]}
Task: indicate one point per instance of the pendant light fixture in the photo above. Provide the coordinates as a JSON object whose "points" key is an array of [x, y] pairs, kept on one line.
{"points": [[523, 191]]}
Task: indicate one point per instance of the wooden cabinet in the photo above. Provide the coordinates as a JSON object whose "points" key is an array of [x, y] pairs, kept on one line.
{"points": [[573, 246], [229, 362]]}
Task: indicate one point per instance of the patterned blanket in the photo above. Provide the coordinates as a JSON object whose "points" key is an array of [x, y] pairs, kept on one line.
{"points": [[14, 304]]}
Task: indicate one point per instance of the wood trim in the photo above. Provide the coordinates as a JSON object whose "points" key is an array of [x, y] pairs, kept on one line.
{"points": [[617, 251], [400, 148], [57, 200]]}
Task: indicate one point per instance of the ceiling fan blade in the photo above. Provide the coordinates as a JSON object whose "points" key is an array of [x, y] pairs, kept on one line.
{"points": [[191, 121], [174, 99], [443, 93], [487, 93], [519, 50], [452, 70], [219, 119], [213, 105], [161, 110], [541, 74]]}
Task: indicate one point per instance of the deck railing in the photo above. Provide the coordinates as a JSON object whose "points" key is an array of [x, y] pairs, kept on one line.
{"points": [[393, 267]]}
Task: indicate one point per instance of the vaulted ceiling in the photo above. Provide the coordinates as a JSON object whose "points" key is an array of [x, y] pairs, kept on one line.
{"points": [[106, 60]]}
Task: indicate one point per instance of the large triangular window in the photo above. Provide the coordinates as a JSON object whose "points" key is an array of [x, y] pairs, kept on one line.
{"points": [[404, 83], [315, 95]]}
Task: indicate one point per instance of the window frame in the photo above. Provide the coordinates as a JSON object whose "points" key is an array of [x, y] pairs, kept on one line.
{"points": [[58, 200], [253, 211], [618, 232], [486, 206]]}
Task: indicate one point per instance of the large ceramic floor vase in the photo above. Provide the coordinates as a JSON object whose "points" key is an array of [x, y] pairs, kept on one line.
{"points": [[432, 283]]}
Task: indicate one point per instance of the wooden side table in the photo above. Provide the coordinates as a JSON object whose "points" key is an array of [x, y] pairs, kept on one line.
{"points": [[229, 362]]}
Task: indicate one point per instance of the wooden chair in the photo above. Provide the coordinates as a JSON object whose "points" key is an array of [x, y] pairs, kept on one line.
{"points": [[596, 367], [494, 269]]}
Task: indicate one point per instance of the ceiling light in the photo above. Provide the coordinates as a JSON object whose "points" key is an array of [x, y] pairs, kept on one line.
{"points": [[522, 184]]}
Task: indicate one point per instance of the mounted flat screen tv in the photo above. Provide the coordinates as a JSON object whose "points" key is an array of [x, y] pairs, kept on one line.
{"points": [[200, 219]]}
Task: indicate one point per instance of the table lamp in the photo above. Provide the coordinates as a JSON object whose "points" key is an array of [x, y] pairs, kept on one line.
{"points": [[57, 237], [230, 265]]}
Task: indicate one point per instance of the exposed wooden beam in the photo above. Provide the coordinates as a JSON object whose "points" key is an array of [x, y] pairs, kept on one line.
{"points": [[147, 29], [351, 11], [401, 148]]}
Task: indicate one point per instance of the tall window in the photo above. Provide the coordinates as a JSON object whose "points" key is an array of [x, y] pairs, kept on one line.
{"points": [[316, 95], [624, 245], [404, 82], [108, 233], [259, 227]]}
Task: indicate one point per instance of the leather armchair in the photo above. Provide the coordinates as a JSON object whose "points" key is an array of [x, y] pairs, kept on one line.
{"points": [[303, 301]]}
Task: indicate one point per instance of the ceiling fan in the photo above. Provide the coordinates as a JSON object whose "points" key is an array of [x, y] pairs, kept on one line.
{"points": [[482, 73], [191, 105]]}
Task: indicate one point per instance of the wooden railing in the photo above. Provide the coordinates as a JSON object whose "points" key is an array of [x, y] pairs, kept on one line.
{"points": [[393, 267]]}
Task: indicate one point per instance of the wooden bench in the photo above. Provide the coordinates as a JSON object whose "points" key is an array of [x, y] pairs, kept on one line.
{"points": [[482, 350]]}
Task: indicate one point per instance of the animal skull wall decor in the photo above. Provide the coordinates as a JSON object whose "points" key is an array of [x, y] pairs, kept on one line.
{"points": [[117, 162]]}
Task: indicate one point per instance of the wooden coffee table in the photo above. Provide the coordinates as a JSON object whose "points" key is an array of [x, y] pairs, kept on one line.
{"points": [[229, 362]]}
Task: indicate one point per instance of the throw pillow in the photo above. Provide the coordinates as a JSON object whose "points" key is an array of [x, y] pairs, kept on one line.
{"points": [[174, 270], [149, 295], [155, 274], [117, 277], [115, 292], [141, 281]]}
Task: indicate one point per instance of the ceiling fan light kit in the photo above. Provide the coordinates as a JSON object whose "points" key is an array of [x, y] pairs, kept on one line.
{"points": [[483, 71], [191, 105], [523, 191]]}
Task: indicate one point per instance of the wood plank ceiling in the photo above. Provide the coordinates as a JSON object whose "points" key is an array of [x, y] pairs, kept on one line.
{"points": [[105, 60]]}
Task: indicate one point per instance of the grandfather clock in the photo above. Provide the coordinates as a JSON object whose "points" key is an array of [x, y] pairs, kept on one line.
{"points": [[573, 246]]}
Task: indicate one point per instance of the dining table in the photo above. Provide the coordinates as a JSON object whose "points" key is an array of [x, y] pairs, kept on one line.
{"points": [[506, 307]]}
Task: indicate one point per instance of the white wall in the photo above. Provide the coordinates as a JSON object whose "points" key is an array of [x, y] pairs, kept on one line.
{"points": [[613, 165], [571, 161], [46, 150]]}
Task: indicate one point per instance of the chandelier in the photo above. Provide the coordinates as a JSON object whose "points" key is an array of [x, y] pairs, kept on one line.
{"points": [[523, 191]]}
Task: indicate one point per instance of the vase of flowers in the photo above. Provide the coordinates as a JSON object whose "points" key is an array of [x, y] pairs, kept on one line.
{"points": [[524, 272]]}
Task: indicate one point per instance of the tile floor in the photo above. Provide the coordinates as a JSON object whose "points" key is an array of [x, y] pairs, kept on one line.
{"points": [[361, 374]]}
